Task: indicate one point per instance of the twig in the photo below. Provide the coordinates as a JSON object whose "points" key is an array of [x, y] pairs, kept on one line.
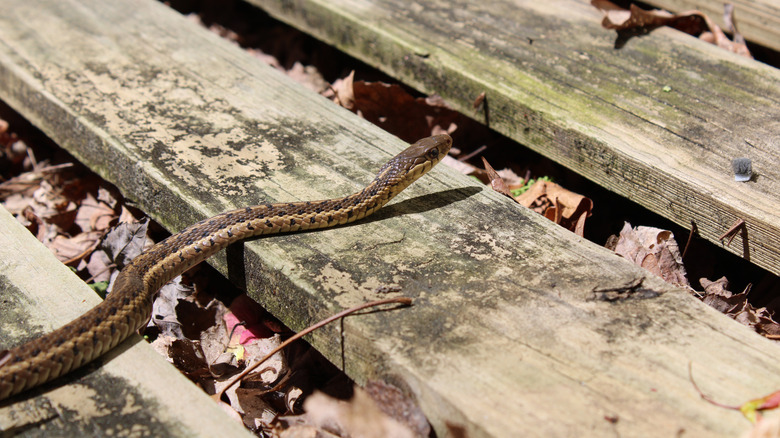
{"points": [[35, 173], [31, 156], [482, 101], [732, 232], [704, 396], [479, 101], [526, 178], [83, 254], [53, 168], [95, 275], [474, 153], [694, 230], [401, 300]]}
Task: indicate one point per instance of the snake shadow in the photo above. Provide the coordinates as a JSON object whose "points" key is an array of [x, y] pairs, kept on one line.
{"points": [[420, 204], [236, 256]]}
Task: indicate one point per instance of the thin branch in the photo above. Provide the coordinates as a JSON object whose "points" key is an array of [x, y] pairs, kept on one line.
{"points": [[402, 300], [704, 396], [732, 232], [694, 230]]}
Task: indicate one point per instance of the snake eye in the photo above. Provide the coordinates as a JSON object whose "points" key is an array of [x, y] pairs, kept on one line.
{"points": [[432, 153]]}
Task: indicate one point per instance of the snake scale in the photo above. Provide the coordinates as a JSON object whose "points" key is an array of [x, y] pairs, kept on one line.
{"points": [[129, 306]]}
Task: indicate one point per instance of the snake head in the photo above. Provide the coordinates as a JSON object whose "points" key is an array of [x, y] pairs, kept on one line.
{"points": [[414, 162], [419, 158], [430, 149]]}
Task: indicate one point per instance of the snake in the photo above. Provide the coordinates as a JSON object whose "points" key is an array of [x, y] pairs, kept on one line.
{"points": [[128, 307]]}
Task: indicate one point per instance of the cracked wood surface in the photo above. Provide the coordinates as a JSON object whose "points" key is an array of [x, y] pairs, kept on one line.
{"points": [[505, 334], [555, 83]]}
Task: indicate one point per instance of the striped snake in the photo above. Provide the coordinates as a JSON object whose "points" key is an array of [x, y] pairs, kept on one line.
{"points": [[129, 306]]}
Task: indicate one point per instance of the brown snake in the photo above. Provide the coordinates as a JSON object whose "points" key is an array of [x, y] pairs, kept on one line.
{"points": [[128, 307]]}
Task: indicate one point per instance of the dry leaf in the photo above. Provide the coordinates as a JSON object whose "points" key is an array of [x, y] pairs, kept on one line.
{"points": [[359, 417], [479, 100], [125, 242], [566, 208], [53, 207], [98, 266], [393, 109], [638, 21], [94, 215], [512, 180], [68, 248], [345, 96], [392, 402], [164, 308], [655, 250], [717, 295], [308, 76], [618, 18], [256, 412], [496, 182], [24, 185], [184, 354], [739, 44]]}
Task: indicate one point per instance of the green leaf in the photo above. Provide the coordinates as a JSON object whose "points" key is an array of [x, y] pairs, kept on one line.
{"points": [[521, 190], [100, 288]]}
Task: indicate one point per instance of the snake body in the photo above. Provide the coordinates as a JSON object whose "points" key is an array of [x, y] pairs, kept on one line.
{"points": [[129, 306]]}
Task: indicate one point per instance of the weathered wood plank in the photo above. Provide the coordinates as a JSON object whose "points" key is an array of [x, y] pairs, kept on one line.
{"points": [[504, 336], [555, 83], [134, 392], [757, 20]]}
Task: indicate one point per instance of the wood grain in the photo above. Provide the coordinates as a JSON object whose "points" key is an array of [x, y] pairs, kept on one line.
{"points": [[505, 336], [555, 83]]}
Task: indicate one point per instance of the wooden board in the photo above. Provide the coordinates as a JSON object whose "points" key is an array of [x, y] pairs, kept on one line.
{"points": [[506, 335], [130, 392], [657, 122]]}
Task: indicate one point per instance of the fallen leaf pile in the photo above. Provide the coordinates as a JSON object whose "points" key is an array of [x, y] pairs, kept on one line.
{"points": [[393, 109], [211, 344], [562, 206], [737, 306], [656, 251], [64, 207], [637, 21]]}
